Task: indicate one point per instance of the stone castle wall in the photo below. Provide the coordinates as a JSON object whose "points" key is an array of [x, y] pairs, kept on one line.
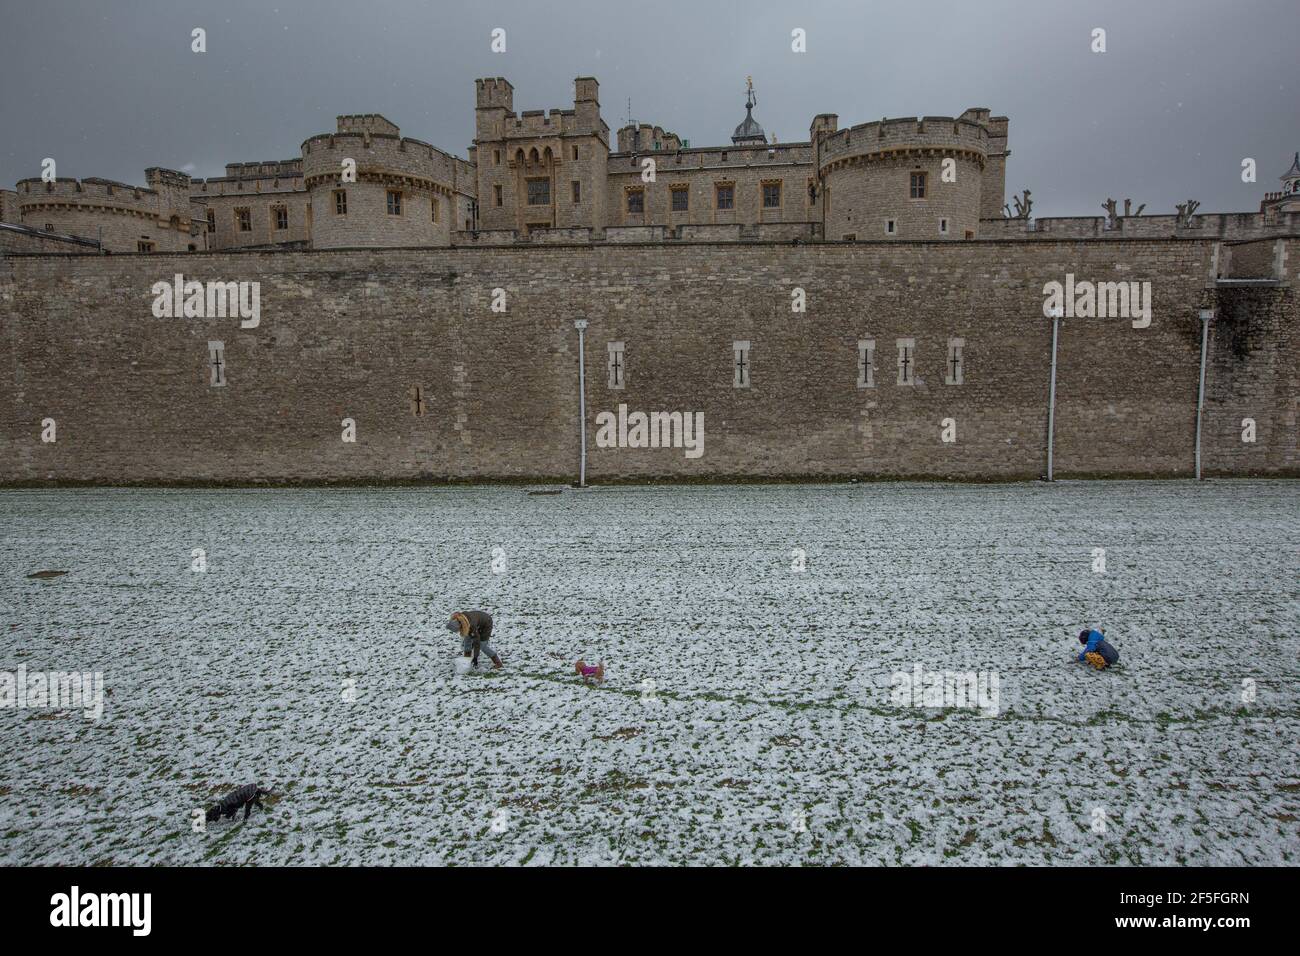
{"points": [[9, 210], [262, 189], [553, 172], [701, 172], [354, 333], [1227, 226], [15, 238]]}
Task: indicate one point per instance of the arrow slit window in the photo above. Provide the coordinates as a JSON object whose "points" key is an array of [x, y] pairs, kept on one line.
{"points": [[616, 369], [907, 361], [217, 364], [866, 363]]}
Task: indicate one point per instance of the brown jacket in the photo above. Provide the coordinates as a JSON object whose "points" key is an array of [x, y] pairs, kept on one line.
{"points": [[480, 625], [477, 626]]}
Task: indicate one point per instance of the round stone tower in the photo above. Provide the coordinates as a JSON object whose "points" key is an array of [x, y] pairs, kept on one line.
{"points": [[905, 178], [124, 218], [370, 187]]}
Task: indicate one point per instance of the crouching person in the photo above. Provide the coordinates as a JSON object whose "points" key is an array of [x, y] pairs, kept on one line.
{"points": [[1097, 651], [474, 628]]}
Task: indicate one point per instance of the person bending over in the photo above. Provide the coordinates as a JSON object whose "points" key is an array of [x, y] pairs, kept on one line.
{"points": [[1097, 651], [474, 628]]}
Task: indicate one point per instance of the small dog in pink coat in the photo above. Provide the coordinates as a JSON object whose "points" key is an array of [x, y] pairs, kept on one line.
{"points": [[590, 673]]}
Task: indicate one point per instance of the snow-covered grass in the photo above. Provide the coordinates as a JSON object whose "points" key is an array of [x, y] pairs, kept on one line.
{"points": [[746, 714]]}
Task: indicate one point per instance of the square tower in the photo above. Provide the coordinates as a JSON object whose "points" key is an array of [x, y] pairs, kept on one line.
{"points": [[539, 169]]}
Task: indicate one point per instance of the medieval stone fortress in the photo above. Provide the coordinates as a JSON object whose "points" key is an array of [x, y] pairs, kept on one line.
{"points": [[561, 176], [865, 302]]}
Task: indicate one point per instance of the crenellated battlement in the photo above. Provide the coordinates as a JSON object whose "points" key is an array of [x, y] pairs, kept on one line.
{"points": [[246, 185], [35, 191], [157, 178], [273, 168], [125, 218], [379, 153], [716, 157], [539, 122], [645, 138], [925, 134], [367, 123], [542, 173], [494, 92], [268, 176], [497, 120]]}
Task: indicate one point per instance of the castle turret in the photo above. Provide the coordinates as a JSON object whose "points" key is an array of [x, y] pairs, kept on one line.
{"points": [[494, 99], [993, 179], [539, 169], [910, 178], [645, 138], [370, 186], [1288, 200], [172, 203], [124, 218], [1291, 178], [586, 101]]}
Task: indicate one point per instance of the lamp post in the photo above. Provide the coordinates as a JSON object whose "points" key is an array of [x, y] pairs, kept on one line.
{"points": [[1055, 313], [1207, 316], [581, 325]]}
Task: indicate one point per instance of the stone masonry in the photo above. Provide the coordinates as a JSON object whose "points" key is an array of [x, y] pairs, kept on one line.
{"points": [[405, 343], [562, 176]]}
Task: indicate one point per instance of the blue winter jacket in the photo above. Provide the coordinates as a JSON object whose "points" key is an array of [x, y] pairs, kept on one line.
{"points": [[1097, 644]]}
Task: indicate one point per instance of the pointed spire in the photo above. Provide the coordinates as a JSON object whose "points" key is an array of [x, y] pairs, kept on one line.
{"points": [[749, 132], [1294, 171]]}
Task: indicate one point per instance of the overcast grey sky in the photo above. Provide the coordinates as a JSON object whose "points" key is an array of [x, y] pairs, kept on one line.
{"points": [[1185, 91]]}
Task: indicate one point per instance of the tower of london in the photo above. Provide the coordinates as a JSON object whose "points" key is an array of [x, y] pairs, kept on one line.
{"points": [[562, 175], [873, 299]]}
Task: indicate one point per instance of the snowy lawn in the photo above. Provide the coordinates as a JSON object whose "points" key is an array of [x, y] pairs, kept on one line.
{"points": [[748, 712]]}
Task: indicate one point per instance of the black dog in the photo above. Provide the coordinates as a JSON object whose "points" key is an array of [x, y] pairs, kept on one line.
{"points": [[248, 796]]}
